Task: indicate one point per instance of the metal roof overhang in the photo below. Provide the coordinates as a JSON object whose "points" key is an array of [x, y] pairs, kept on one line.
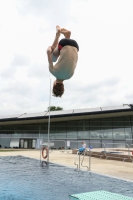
{"points": [[67, 117]]}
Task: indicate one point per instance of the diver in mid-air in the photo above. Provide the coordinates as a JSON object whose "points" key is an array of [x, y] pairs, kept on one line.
{"points": [[66, 51]]}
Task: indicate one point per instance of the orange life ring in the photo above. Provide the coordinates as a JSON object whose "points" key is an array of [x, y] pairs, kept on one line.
{"points": [[45, 148]]}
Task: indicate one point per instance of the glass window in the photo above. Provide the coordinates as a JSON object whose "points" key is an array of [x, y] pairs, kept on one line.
{"points": [[36, 127], [127, 121], [52, 135], [52, 131], [17, 135], [128, 134], [106, 123], [45, 135], [87, 125], [118, 128], [60, 127], [5, 135], [95, 124], [60, 135], [27, 135], [35, 135], [44, 128], [127, 127], [41, 135], [96, 134], [5, 142], [72, 129], [18, 127], [80, 125], [71, 135], [28, 126], [118, 133], [95, 129], [83, 135], [7, 129], [52, 127], [72, 126], [131, 117], [60, 130], [82, 132], [93, 134], [107, 134], [118, 122], [106, 128]]}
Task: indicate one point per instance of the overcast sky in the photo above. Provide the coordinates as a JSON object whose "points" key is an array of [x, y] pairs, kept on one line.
{"points": [[104, 73]]}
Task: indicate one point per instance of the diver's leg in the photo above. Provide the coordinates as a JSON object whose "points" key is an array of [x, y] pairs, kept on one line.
{"points": [[56, 40], [54, 47], [66, 33]]}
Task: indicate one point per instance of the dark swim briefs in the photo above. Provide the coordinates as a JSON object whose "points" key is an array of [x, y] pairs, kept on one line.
{"points": [[65, 41]]}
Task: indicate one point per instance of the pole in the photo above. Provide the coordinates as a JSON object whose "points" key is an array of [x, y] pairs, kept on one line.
{"points": [[39, 144], [40, 153], [79, 160], [89, 160], [49, 119]]}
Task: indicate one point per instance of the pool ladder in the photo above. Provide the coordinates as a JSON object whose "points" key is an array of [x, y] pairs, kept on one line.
{"points": [[79, 158]]}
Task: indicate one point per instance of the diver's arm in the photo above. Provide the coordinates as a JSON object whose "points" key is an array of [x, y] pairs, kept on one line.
{"points": [[49, 50]]}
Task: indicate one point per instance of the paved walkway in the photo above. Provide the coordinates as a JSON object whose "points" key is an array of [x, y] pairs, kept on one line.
{"points": [[109, 167]]}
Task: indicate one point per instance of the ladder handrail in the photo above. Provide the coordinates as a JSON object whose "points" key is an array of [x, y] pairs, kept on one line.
{"points": [[76, 159], [78, 154], [83, 160]]}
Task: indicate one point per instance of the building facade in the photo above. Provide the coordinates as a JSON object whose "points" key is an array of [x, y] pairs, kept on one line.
{"points": [[112, 126]]}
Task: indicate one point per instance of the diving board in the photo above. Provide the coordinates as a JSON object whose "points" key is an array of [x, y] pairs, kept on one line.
{"points": [[99, 195]]}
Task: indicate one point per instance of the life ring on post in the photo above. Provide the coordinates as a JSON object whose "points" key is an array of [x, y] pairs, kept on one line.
{"points": [[47, 149]]}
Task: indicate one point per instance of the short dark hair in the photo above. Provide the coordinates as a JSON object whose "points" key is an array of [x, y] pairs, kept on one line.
{"points": [[58, 89]]}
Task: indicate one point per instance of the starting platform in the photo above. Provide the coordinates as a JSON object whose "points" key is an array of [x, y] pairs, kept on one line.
{"points": [[99, 195]]}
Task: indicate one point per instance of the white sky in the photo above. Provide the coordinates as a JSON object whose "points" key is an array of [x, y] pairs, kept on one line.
{"points": [[104, 32]]}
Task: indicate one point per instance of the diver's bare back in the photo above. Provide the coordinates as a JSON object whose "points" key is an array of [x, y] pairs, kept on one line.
{"points": [[66, 64]]}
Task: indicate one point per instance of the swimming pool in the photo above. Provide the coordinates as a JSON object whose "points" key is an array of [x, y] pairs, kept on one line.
{"points": [[23, 178]]}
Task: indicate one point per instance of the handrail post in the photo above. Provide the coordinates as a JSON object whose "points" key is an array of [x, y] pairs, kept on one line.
{"points": [[83, 160], [79, 161], [76, 160], [131, 153], [65, 144], [105, 149], [40, 153], [128, 149], [89, 160]]}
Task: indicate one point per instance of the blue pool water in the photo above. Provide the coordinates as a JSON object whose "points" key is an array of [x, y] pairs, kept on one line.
{"points": [[23, 178]]}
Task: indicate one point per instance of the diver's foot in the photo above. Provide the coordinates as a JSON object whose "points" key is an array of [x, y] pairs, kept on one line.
{"points": [[58, 31], [66, 33]]}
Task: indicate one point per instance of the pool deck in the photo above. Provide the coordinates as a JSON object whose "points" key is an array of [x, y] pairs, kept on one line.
{"points": [[113, 168]]}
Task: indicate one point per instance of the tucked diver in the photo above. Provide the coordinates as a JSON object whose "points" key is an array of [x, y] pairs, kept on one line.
{"points": [[66, 51]]}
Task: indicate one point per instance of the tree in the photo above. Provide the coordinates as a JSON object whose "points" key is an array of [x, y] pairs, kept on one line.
{"points": [[54, 108]]}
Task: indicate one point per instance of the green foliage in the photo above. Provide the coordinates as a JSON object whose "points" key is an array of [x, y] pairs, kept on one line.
{"points": [[54, 108]]}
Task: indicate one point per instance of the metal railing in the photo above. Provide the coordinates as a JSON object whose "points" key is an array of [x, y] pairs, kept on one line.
{"points": [[88, 168], [81, 163], [78, 165], [131, 157], [105, 153], [107, 156]]}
